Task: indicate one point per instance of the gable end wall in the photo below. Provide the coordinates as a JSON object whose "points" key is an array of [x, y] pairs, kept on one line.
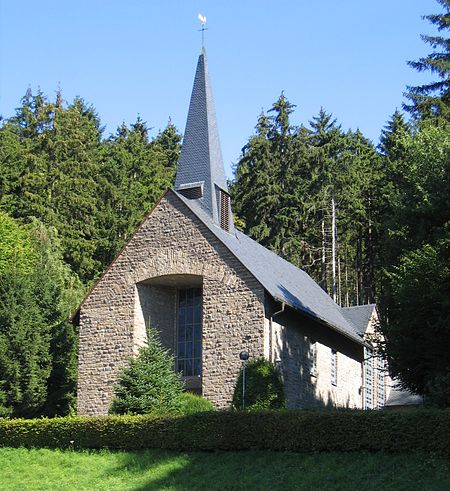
{"points": [[172, 240]]}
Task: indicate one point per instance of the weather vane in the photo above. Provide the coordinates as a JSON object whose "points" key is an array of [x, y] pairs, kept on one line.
{"points": [[202, 19]]}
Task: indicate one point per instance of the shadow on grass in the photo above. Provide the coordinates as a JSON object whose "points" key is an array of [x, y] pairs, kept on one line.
{"points": [[159, 470]]}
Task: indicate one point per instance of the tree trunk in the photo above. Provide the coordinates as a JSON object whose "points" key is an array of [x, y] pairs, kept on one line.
{"points": [[333, 247]]}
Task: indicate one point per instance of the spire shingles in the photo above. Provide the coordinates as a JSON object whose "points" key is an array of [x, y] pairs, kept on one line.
{"points": [[200, 168]]}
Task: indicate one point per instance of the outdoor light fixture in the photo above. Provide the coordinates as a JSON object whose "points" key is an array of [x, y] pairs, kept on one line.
{"points": [[243, 356]]}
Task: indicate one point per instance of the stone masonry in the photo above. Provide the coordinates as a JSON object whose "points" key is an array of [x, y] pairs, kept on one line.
{"points": [[171, 241], [307, 383]]}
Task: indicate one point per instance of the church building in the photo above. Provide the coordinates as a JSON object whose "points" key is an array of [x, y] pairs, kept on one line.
{"points": [[212, 292]]}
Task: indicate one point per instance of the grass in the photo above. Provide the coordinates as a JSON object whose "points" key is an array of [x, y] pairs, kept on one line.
{"points": [[42, 469]]}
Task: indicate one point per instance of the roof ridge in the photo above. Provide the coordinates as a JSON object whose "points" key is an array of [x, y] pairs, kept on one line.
{"points": [[359, 306]]}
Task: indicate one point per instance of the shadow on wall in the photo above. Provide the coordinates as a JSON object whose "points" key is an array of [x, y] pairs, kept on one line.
{"points": [[296, 345]]}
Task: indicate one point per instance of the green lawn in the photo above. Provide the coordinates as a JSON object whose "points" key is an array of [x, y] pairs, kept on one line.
{"points": [[22, 469]]}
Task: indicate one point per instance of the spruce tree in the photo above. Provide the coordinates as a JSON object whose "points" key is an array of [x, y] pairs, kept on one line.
{"points": [[135, 173], [24, 335], [58, 292], [392, 137], [37, 345], [56, 151], [149, 384], [433, 99], [418, 332], [312, 196], [168, 142]]}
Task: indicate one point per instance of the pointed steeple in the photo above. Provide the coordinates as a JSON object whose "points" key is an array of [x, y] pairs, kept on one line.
{"points": [[200, 173]]}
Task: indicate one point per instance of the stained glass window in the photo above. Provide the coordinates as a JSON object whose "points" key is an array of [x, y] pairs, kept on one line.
{"points": [[368, 378], [189, 346]]}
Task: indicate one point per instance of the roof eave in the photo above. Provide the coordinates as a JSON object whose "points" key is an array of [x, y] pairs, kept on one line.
{"points": [[322, 321]]}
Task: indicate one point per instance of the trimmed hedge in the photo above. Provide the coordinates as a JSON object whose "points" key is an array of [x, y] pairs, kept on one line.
{"points": [[295, 431]]}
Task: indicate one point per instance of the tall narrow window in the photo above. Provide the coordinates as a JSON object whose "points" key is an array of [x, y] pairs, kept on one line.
{"points": [[189, 345], [312, 357], [368, 378], [224, 210], [334, 367], [380, 382]]}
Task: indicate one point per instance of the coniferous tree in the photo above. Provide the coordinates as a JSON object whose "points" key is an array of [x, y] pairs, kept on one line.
{"points": [[24, 337], [418, 332], [134, 175], [54, 166], [392, 137], [312, 196], [37, 293], [168, 141], [56, 154], [433, 99], [58, 292], [149, 384]]}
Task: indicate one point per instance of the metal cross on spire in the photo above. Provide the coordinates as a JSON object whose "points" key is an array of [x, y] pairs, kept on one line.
{"points": [[202, 19]]}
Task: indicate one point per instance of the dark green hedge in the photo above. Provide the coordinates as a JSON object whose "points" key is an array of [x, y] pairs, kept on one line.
{"points": [[297, 431]]}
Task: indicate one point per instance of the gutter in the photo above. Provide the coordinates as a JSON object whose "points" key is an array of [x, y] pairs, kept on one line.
{"points": [[323, 321]]}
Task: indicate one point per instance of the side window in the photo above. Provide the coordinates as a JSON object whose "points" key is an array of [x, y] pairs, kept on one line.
{"points": [[334, 367], [381, 392], [368, 378], [312, 357]]}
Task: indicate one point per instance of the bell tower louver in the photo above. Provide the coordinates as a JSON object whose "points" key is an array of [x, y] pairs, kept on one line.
{"points": [[200, 173]]}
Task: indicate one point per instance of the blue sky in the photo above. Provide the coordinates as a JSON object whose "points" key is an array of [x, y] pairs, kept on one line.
{"points": [[138, 57]]}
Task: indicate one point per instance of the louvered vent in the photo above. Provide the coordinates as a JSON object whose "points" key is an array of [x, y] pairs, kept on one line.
{"points": [[225, 210], [191, 190], [192, 193]]}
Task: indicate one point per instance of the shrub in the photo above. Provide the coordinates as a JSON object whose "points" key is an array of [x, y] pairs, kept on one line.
{"points": [[191, 404], [439, 390], [295, 431], [263, 387], [149, 384]]}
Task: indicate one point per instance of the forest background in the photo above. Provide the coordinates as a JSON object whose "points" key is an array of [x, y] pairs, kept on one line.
{"points": [[369, 224]]}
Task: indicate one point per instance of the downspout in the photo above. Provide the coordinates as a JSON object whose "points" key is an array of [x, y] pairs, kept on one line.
{"points": [[283, 305]]}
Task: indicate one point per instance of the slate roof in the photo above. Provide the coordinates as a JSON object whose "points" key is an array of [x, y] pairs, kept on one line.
{"points": [[284, 281], [359, 316], [201, 162], [402, 397], [201, 154]]}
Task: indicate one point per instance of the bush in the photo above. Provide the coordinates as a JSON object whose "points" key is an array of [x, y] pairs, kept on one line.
{"points": [[191, 404], [295, 431], [149, 384], [439, 390], [263, 387]]}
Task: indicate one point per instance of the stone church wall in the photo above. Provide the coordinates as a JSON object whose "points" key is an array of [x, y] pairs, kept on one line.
{"points": [[296, 340], [171, 241]]}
